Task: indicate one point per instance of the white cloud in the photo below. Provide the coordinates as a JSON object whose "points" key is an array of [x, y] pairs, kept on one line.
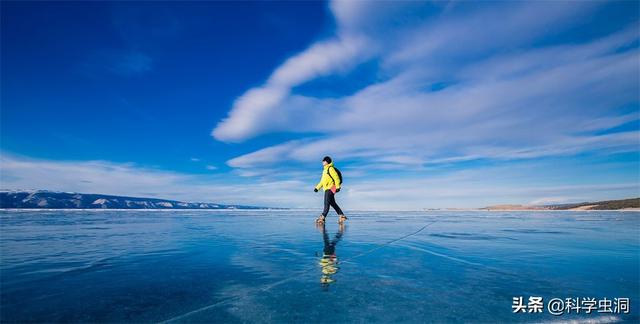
{"points": [[256, 111], [105, 177], [522, 183], [267, 155], [519, 183], [260, 110], [458, 34], [519, 102], [318, 60], [454, 83]]}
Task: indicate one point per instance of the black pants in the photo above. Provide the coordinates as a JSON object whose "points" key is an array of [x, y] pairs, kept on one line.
{"points": [[330, 200]]}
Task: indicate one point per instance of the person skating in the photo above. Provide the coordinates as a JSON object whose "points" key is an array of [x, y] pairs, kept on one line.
{"points": [[330, 182]]}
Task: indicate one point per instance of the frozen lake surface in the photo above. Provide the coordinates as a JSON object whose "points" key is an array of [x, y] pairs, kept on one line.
{"points": [[277, 266]]}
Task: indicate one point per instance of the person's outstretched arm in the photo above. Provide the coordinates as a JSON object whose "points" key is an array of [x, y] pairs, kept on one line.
{"points": [[319, 185]]}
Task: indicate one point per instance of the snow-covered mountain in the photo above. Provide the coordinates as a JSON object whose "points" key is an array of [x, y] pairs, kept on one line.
{"points": [[54, 199]]}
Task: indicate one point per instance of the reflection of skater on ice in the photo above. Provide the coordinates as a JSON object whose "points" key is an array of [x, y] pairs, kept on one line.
{"points": [[329, 260]]}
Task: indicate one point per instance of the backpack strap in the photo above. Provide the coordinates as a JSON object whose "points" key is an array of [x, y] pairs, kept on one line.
{"points": [[329, 173]]}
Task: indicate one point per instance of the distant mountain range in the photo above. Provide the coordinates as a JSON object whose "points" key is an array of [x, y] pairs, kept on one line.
{"points": [[53, 199], [621, 204]]}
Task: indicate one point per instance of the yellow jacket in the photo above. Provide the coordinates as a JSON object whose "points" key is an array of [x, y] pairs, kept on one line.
{"points": [[327, 181]]}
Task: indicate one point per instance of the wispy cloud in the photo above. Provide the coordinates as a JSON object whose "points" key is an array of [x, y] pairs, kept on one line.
{"points": [[526, 182], [106, 177], [453, 84], [258, 110], [460, 105]]}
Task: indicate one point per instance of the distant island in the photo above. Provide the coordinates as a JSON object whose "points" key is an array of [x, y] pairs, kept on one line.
{"points": [[622, 204], [32, 199], [631, 204]]}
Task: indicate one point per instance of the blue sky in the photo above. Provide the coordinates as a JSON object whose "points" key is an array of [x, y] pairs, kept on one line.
{"points": [[431, 104]]}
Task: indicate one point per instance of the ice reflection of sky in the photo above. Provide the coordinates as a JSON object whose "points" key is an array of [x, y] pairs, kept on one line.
{"points": [[263, 266]]}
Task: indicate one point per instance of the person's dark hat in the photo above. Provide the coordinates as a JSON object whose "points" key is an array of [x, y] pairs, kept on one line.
{"points": [[327, 159]]}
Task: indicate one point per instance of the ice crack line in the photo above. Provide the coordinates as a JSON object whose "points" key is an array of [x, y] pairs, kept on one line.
{"points": [[277, 283], [389, 243]]}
